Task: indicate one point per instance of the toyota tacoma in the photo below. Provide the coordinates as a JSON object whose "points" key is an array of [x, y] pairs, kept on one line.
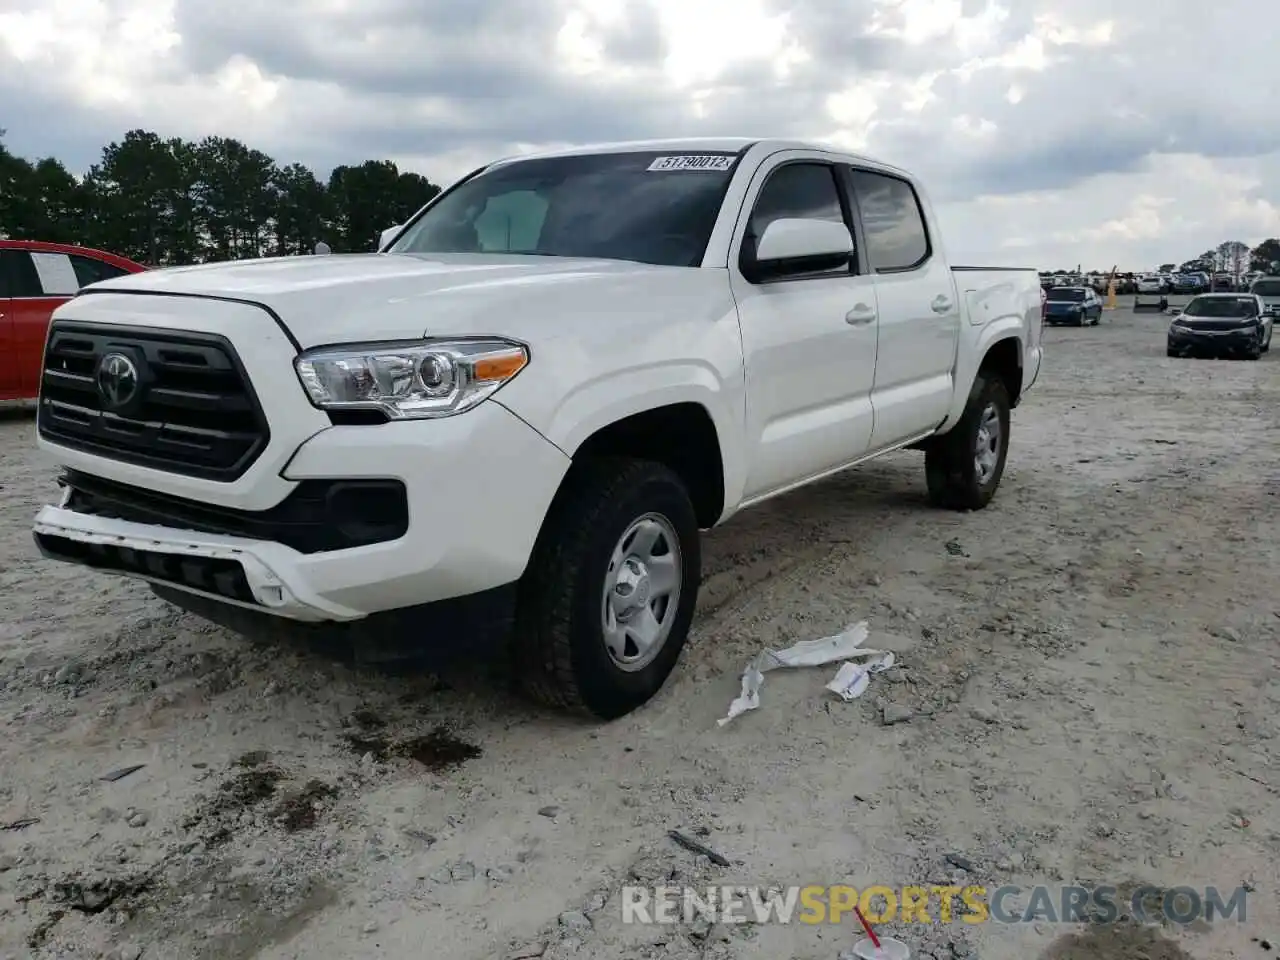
{"points": [[517, 415]]}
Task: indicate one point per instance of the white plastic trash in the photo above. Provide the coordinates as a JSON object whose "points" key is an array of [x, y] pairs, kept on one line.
{"points": [[848, 682], [889, 949]]}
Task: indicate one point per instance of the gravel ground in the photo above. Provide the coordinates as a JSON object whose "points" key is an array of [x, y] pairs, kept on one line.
{"points": [[1087, 690]]}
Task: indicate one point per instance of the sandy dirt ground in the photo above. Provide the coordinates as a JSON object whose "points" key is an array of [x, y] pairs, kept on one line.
{"points": [[1087, 691]]}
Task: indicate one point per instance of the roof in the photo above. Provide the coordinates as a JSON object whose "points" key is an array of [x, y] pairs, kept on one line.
{"points": [[43, 246], [697, 145]]}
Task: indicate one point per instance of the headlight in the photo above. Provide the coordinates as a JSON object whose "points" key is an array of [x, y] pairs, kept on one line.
{"points": [[413, 380]]}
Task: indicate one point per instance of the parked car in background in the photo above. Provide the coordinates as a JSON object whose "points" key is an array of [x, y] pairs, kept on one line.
{"points": [[1221, 324], [659, 335], [1267, 289], [1077, 306], [35, 279], [1187, 283], [1150, 283]]}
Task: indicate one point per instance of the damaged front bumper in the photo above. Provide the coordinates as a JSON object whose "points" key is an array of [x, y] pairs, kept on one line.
{"points": [[253, 574]]}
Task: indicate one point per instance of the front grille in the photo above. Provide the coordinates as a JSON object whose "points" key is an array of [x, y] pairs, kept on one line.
{"points": [[316, 516], [224, 578], [193, 411], [1216, 325]]}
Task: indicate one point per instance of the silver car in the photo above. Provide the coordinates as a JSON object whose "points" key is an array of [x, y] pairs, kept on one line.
{"points": [[1268, 290]]}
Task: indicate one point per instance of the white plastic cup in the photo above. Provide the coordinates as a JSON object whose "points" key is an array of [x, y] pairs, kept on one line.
{"points": [[889, 949]]}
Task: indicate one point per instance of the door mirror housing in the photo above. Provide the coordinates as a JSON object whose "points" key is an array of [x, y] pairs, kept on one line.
{"points": [[387, 235], [799, 245]]}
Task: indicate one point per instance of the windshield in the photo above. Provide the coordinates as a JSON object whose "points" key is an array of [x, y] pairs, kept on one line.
{"points": [[1222, 307], [1066, 295], [1267, 288], [644, 207]]}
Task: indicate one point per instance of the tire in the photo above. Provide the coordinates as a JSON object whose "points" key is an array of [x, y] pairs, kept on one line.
{"points": [[950, 463], [1170, 352], [559, 649]]}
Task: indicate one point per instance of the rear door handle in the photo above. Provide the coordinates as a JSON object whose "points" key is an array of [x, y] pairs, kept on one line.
{"points": [[941, 303], [860, 315]]}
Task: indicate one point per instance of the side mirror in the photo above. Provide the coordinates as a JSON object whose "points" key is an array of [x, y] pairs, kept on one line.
{"points": [[796, 245], [387, 235], [1174, 311]]}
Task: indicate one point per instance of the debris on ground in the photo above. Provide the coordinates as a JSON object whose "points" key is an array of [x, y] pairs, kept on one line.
{"points": [[846, 645], [120, 774], [693, 846]]}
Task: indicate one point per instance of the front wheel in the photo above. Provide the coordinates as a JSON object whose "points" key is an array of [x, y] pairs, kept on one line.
{"points": [[963, 467], [608, 597]]}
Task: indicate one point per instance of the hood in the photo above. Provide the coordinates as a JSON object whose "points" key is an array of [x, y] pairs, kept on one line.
{"points": [[361, 297]]}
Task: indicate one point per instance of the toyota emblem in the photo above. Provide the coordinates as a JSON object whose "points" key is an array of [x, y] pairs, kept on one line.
{"points": [[117, 380]]}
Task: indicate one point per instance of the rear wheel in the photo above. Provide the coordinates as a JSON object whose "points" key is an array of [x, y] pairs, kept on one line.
{"points": [[963, 467], [606, 603]]}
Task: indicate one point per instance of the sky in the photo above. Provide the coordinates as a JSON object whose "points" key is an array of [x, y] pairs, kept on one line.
{"points": [[1048, 133]]}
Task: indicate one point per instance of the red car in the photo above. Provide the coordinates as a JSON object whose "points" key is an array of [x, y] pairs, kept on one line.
{"points": [[35, 279]]}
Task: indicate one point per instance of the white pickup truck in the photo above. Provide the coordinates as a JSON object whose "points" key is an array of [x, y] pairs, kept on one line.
{"points": [[520, 412]]}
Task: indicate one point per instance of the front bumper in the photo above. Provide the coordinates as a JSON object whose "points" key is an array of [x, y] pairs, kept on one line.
{"points": [[1231, 341], [1075, 318], [473, 520]]}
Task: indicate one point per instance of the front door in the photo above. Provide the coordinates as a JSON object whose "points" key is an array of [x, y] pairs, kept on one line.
{"points": [[809, 342]]}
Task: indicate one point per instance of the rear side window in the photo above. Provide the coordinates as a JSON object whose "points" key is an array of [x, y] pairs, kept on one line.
{"points": [[57, 278], [88, 270], [892, 220], [18, 274], [804, 190]]}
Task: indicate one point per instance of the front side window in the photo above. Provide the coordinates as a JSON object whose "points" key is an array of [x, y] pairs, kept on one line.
{"points": [[897, 238], [798, 190], [1267, 288], [57, 277], [644, 207]]}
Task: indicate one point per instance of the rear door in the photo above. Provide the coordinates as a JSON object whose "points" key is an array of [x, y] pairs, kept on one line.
{"points": [[45, 282], [919, 328]]}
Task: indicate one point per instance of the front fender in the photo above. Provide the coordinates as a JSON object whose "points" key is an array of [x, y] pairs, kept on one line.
{"points": [[600, 402], [603, 400]]}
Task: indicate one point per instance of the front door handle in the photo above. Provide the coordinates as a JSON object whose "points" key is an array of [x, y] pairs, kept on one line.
{"points": [[860, 315], [941, 303]]}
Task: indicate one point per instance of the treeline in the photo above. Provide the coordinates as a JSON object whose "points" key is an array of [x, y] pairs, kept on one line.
{"points": [[165, 202], [1231, 256]]}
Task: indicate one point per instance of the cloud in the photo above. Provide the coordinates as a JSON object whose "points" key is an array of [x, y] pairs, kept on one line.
{"points": [[1047, 132]]}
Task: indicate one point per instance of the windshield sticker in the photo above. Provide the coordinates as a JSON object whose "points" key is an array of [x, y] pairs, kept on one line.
{"points": [[696, 162]]}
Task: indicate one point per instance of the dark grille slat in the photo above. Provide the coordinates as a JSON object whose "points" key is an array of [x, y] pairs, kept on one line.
{"points": [[197, 414], [313, 518], [217, 576]]}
